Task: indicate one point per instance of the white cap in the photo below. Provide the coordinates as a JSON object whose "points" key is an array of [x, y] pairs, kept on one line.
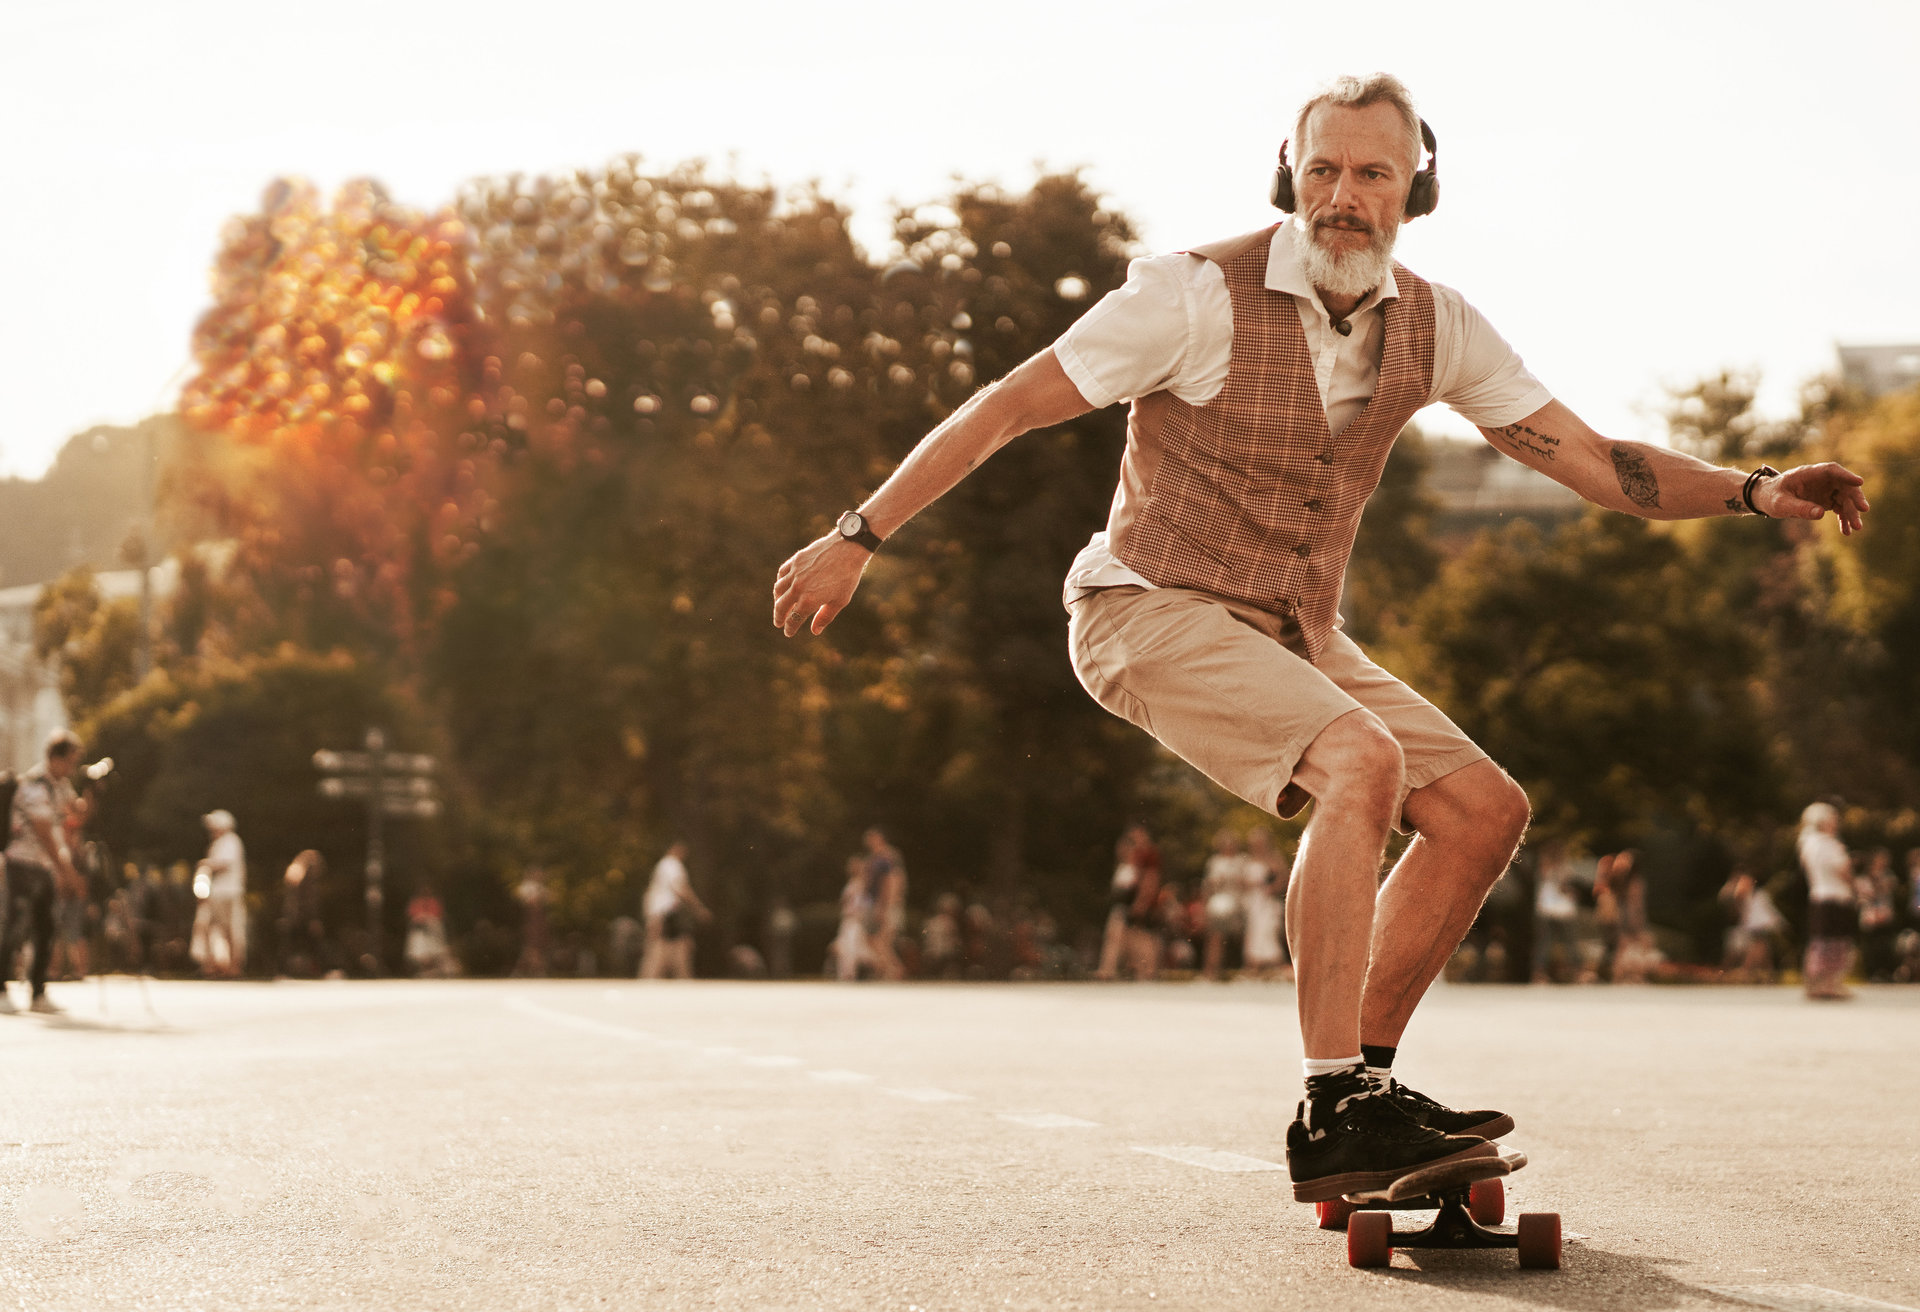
{"points": [[218, 820]]}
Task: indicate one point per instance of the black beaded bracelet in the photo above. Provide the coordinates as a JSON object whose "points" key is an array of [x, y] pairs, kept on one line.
{"points": [[1753, 480]]}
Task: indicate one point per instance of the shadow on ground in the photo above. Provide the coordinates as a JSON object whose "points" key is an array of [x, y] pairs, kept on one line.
{"points": [[1593, 1280]]}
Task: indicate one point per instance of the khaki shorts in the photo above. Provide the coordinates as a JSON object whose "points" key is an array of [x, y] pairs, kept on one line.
{"points": [[1223, 685]]}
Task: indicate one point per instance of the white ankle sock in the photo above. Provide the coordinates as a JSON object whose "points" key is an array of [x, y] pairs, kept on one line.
{"points": [[1313, 1066]]}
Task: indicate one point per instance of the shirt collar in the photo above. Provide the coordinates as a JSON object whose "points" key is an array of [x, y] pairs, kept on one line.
{"points": [[1284, 273]]}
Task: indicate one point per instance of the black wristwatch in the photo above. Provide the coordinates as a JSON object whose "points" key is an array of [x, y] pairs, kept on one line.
{"points": [[1753, 481], [853, 527]]}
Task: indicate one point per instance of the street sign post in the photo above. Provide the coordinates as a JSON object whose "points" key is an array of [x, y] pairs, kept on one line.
{"points": [[398, 784]]}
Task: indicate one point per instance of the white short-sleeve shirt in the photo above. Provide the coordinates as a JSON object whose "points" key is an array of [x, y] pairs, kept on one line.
{"points": [[1824, 858], [1170, 328], [668, 888], [227, 865]]}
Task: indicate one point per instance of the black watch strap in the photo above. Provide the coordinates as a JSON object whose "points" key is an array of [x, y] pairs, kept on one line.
{"points": [[1753, 481]]}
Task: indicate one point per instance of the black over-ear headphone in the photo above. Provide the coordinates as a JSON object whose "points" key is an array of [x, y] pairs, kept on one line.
{"points": [[1422, 197]]}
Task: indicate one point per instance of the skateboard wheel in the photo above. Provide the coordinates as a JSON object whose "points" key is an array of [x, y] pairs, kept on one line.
{"points": [[1333, 1213], [1539, 1240], [1370, 1239], [1487, 1201]]}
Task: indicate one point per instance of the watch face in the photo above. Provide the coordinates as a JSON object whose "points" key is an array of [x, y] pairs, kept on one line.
{"points": [[851, 524]]}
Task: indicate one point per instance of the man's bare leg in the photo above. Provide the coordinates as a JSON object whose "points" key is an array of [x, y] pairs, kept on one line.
{"points": [[1353, 770], [1469, 823]]}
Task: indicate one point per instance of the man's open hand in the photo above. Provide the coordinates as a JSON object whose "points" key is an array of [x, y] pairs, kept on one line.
{"points": [[817, 582], [1810, 491]]}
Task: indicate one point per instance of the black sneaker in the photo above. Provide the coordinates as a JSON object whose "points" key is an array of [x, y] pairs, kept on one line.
{"points": [[1361, 1141], [1438, 1116]]}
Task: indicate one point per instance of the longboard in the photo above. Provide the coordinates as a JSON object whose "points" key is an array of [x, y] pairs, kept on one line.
{"points": [[1470, 1196]]}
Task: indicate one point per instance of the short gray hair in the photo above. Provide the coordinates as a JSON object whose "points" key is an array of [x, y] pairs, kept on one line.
{"points": [[1351, 92]]}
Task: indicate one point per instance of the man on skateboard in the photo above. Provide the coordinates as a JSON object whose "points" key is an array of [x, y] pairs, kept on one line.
{"points": [[1268, 375]]}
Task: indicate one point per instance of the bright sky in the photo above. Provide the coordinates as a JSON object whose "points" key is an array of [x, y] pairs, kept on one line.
{"points": [[1634, 193]]}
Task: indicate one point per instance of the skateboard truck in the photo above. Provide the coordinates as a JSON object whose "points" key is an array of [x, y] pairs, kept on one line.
{"points": [[1467, 1206]]}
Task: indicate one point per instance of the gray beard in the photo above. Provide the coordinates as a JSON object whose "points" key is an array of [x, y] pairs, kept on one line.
{"points": [[1354, 273]]}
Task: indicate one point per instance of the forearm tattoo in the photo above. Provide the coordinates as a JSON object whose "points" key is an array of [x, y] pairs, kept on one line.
{"points": [[1735, 506], [1637, 478], [1522, 438]]}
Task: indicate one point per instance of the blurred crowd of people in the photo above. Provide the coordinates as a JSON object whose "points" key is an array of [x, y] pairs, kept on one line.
{"points": [[69, 910], [1233, 917], [1862, 918]]}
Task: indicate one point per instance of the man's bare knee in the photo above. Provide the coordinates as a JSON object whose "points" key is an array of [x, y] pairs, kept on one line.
{"points": [[1355, 761]]}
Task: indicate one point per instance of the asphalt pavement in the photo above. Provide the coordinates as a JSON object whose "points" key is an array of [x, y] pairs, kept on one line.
{"points": [[595, 1144]]}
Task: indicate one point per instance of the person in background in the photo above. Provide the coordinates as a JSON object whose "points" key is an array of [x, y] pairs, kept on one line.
{"points": [[300, 930], [427, 951], [1222, 893], [1265, 873], [1878, 892], [670, 907], [533, 896], [1144, 923], [1756, 926], [1830, 909], [1634, 954], [1120, 891], [940, 939], [1554, 914], [220, 885], [73, 909], [39, 866], [887, 889], [851, 949]]}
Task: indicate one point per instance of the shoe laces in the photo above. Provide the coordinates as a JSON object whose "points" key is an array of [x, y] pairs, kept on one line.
{"points": [[1371, 1113]]}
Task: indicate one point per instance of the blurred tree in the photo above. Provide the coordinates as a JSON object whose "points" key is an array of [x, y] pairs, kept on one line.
{"points": [[1033, 778], [1876, 574], [336, 365], [92, 639], [1597, 669], [1395, 559]]}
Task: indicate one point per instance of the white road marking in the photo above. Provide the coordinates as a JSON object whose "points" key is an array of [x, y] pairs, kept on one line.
{"points": [[929, 1095], [1805, 1298], [840, 1077], [771, 1061], [627, 1032], [1047, 1120], [1211, 1158]]}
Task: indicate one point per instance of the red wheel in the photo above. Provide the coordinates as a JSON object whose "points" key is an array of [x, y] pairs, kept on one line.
{"points": [[1539, 1240], [1370, 1239], [1487, 1201], [1333, 1213]]}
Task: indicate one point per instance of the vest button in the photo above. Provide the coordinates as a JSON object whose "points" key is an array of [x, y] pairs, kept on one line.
{"points": [[1302, 550], [1315, 504], [1325, 457]]}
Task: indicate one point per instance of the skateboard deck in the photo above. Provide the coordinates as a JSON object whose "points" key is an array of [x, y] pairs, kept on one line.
{"points": [[1431, 1181]]}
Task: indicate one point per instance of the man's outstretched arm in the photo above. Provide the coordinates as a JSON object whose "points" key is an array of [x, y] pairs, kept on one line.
{"points": [[1656, 482], [818, 581]]}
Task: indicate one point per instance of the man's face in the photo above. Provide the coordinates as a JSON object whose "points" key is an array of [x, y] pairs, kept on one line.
{"points": [[61, 767], [1350, 182]]}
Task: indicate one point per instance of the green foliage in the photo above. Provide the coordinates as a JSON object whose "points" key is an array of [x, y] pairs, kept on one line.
{"points": [[1876, 575], [93, 639], [1395, 558], [1594, 667]]}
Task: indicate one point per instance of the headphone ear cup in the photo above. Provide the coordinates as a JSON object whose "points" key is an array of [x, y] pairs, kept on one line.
{"points": [[1281, 191], [1424, 194]]}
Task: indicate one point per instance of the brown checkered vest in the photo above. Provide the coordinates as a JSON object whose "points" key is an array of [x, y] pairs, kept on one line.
{"points": [[1249, 496]]}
